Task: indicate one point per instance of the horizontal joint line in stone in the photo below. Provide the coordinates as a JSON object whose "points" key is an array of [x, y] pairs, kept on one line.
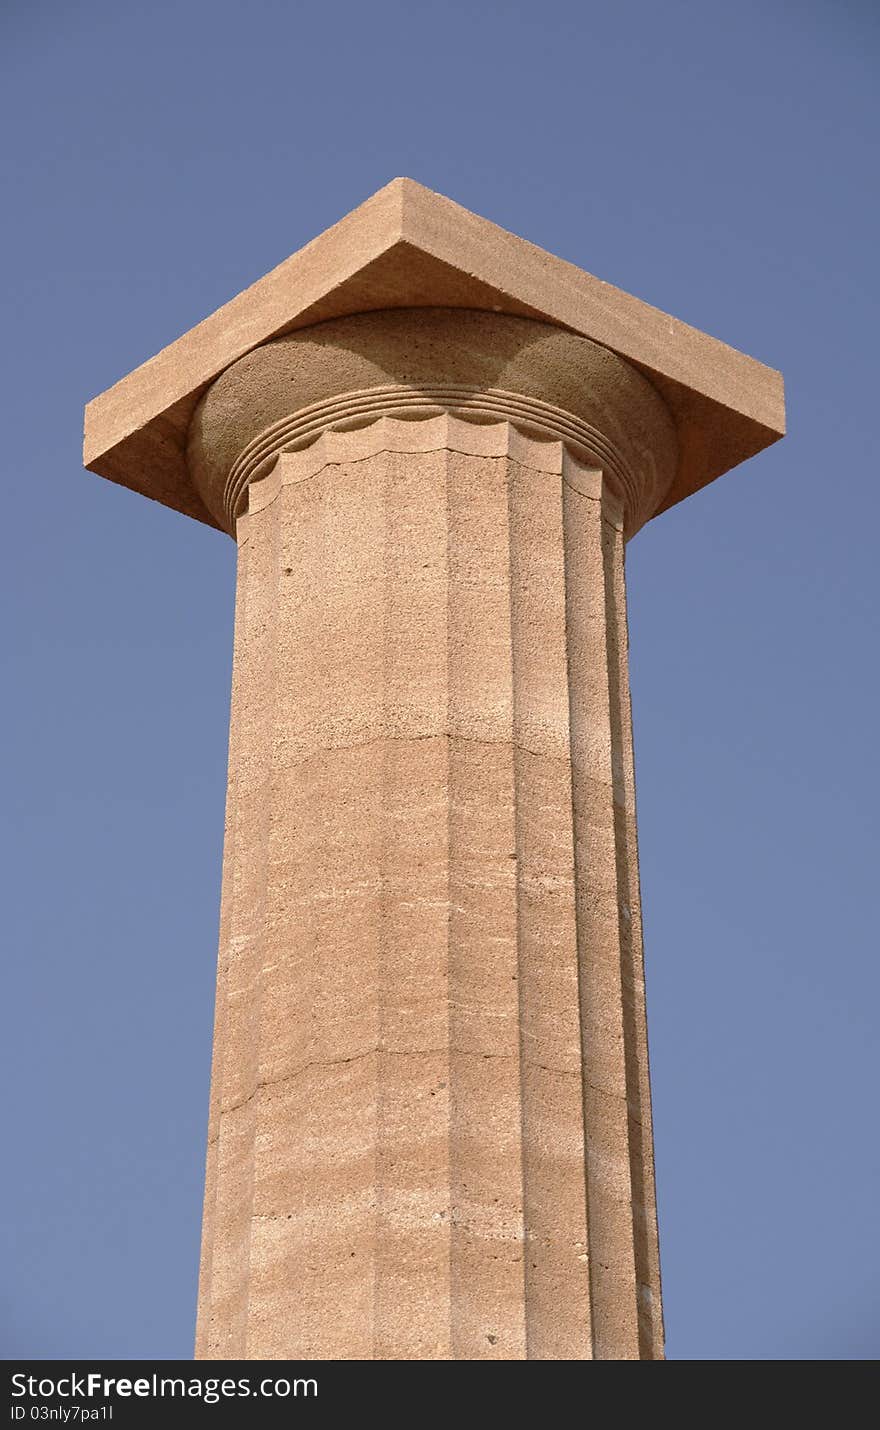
{"points": [[514, 745], [280, 481], [529, 1063]]}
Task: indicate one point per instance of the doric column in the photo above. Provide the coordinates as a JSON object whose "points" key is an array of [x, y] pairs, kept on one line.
{"points": [[430, 1128], [430, 1131]]}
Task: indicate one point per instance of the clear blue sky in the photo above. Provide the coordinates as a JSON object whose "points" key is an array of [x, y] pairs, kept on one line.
{"points": [[718, 160]]}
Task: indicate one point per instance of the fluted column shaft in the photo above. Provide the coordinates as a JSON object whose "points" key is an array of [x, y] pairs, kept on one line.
{"points": [[430, 1126], [431, 1132]]}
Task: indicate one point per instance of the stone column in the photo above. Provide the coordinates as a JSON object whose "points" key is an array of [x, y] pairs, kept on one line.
{"points": [[430, 1124], [430, 1114]]}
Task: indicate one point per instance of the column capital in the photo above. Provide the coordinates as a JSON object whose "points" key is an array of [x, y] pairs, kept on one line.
{"points": [[407, 247], [421, 363]]}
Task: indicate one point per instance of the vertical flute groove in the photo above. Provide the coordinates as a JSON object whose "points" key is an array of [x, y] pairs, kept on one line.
{"points": [[555, 1230], [239, 1075], [205, 1315], [486, 1195], [635, 1032], [607, 1149]]}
